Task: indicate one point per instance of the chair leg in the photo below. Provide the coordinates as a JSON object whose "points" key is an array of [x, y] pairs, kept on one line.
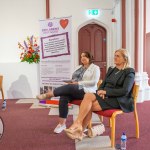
{"points": [[101, 118], [2, 94], [113, 121], [136, 123], [110, 122]]}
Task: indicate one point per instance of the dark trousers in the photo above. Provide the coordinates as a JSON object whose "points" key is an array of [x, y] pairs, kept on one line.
{"points": [[67, 93]]}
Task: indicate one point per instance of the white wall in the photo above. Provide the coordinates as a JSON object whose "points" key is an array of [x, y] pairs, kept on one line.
{"points": [[130, 28], [20, 79], [19, 19], [77, 9]]}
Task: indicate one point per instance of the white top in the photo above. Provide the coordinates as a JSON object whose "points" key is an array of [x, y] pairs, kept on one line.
{"points": [[90, 78]]}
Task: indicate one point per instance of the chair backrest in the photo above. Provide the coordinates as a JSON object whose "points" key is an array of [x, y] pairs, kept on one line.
{"points": [[135, 92], [1, 81]]}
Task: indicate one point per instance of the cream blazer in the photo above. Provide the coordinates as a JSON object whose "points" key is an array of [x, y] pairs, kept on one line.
{"points": [[90, 78]]}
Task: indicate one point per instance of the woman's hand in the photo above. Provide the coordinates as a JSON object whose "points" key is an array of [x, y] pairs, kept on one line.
{"points": [[101, 93], [73, 83]]}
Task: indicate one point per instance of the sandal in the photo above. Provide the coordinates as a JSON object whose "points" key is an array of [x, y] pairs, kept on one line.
{"points": [[74, 133], [96, 130], [41, 96], [84, 135]]}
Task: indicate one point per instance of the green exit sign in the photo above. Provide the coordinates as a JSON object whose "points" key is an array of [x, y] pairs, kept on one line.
{"points": [[93, 12]]}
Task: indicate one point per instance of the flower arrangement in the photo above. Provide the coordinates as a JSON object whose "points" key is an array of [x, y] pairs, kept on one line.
{"points": [[30, 50]]}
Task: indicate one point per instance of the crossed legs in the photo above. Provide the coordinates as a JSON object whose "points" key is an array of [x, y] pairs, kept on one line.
{"points": [[88, 105], [67, 93]]}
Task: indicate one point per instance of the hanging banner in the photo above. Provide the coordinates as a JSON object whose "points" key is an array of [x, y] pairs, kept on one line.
{"points": [[55, 56]]}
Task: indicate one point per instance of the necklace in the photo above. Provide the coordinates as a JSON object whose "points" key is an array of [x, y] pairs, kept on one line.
{"points": [[117, 72]]}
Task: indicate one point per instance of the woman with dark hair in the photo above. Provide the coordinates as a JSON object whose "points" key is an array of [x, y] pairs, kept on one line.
{"points": [[84, 80], [115, 92]]}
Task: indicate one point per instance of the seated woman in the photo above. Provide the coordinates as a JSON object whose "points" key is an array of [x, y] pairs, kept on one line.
{"points": [[84, 80], [114, 92]]}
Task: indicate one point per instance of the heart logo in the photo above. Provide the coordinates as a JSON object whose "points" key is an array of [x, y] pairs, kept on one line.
{"points": [[64, 23]]}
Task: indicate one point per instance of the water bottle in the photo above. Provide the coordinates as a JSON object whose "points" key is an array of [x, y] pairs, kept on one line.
{"points": [[4, 104], [123, 141]]}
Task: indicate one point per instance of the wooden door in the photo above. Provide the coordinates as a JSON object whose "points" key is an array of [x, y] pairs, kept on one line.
{"points": [[92, 38]]}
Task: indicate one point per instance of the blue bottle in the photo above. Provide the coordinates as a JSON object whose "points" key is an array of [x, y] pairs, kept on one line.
{"points": [[123, 141], [4, 104]]}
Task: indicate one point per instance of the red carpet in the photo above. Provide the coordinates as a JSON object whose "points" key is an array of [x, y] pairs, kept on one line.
{"points": [[31, 129]]}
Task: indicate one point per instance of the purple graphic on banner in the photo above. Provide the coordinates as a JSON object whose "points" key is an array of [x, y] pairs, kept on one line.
{"points": [[55, 45], [50, 24]]}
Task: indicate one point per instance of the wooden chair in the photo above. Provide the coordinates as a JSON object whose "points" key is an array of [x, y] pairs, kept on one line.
{"points": [[112, 113], [1, 87]]}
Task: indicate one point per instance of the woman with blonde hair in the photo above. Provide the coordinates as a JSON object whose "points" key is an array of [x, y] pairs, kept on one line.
{"points": [[114, 92]]}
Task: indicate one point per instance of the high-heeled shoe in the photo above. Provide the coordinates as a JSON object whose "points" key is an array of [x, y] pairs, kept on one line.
{"points": [[41, 96], [75, 130], [74, 136]]}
